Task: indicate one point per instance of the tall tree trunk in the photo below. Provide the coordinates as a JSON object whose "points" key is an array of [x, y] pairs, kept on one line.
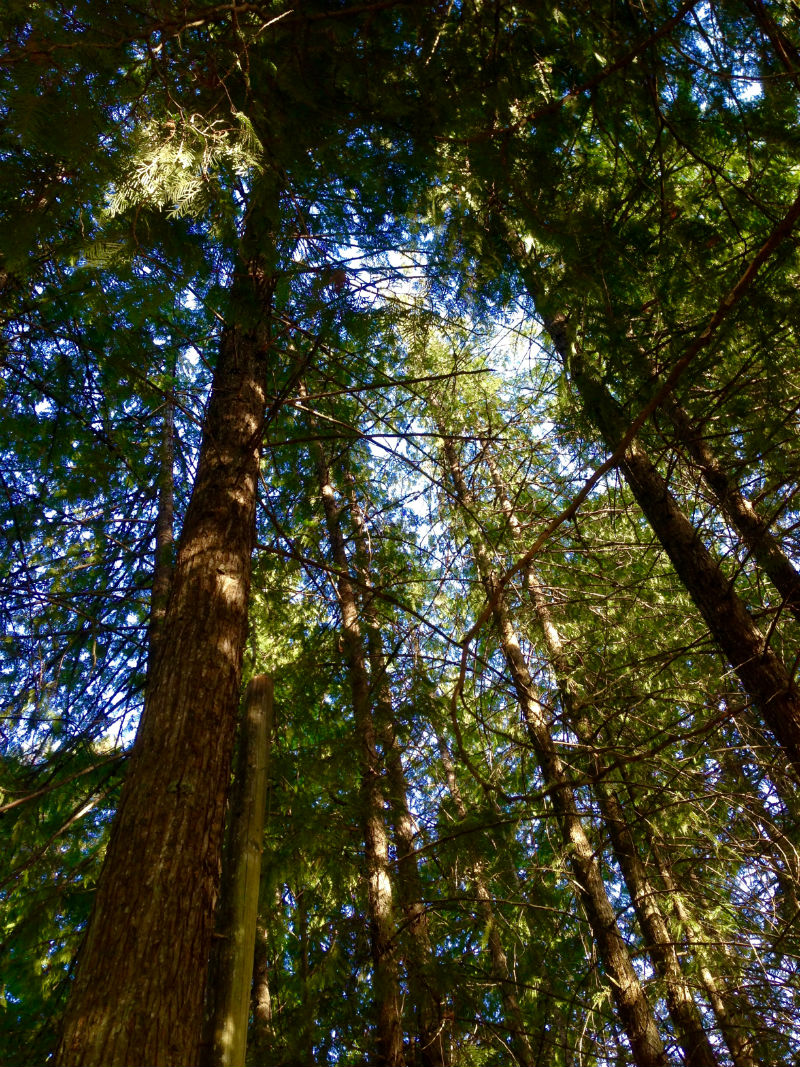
{"points": [[500, 971], [694, 1041], [734, 1027], [737, 509], [761, 672], [415, 938], [389, 1031], [139, 991], [634, 1011], [301, 1044], [233, 970]]}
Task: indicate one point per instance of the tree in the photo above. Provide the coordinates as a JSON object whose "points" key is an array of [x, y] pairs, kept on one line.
{"points": [[520, 551]]}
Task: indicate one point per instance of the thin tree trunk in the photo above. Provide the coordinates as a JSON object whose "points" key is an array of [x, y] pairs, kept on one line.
{"points": [[500, 971], [734, 1028], [694, 1041], [389, 1032], [139, 992], [415, 937], [634, 1011], [261, 999], [241, 881], [302, 1040], [762, 673]]}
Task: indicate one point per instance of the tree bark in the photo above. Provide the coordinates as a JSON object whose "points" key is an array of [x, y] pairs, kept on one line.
{"points": [[389, 1030], [261, 999], [138, 996], [241, 881], [693, 1039], [634, 1011]]}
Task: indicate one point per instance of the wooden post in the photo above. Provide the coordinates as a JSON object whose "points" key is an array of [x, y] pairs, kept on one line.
{"points": [[234, 965]]}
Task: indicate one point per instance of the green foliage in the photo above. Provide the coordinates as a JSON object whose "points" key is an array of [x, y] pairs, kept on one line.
{"points": [[449, 179], [179, 168]]}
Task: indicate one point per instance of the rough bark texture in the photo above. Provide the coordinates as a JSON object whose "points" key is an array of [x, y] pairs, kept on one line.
{"points": [[389, 1030], [236, 929], [635, 1014], [694, 1041], [138, 995]]}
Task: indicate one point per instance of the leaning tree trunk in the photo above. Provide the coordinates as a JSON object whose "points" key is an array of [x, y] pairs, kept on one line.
{"points": [[389, 1028], [753, 529], [634, 1011], [232, 968], [693, 1039], [138, 995], [415, 939], [762, 673]]}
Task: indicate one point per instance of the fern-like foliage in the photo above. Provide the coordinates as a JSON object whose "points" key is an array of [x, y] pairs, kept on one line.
{"points": [[178, 168]]}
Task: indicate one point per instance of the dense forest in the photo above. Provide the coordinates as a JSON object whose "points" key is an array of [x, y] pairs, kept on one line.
{"points": [[399, 455]]}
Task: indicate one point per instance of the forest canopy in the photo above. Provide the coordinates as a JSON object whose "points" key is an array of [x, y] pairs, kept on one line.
{"points": [[418, 385]]}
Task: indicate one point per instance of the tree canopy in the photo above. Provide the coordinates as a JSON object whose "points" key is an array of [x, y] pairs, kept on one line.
{"points": [[440, 361]]}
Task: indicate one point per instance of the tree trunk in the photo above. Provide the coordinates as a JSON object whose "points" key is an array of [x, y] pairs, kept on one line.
{"points": [[425, 994], [389, 1030], [735, 1029], [761, 672], [233, 969], [138, 996], [261, 999], [737, 509], [501, 974], [694, 1042], [634, 1011], [301, 1042], [692, 1037]]}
